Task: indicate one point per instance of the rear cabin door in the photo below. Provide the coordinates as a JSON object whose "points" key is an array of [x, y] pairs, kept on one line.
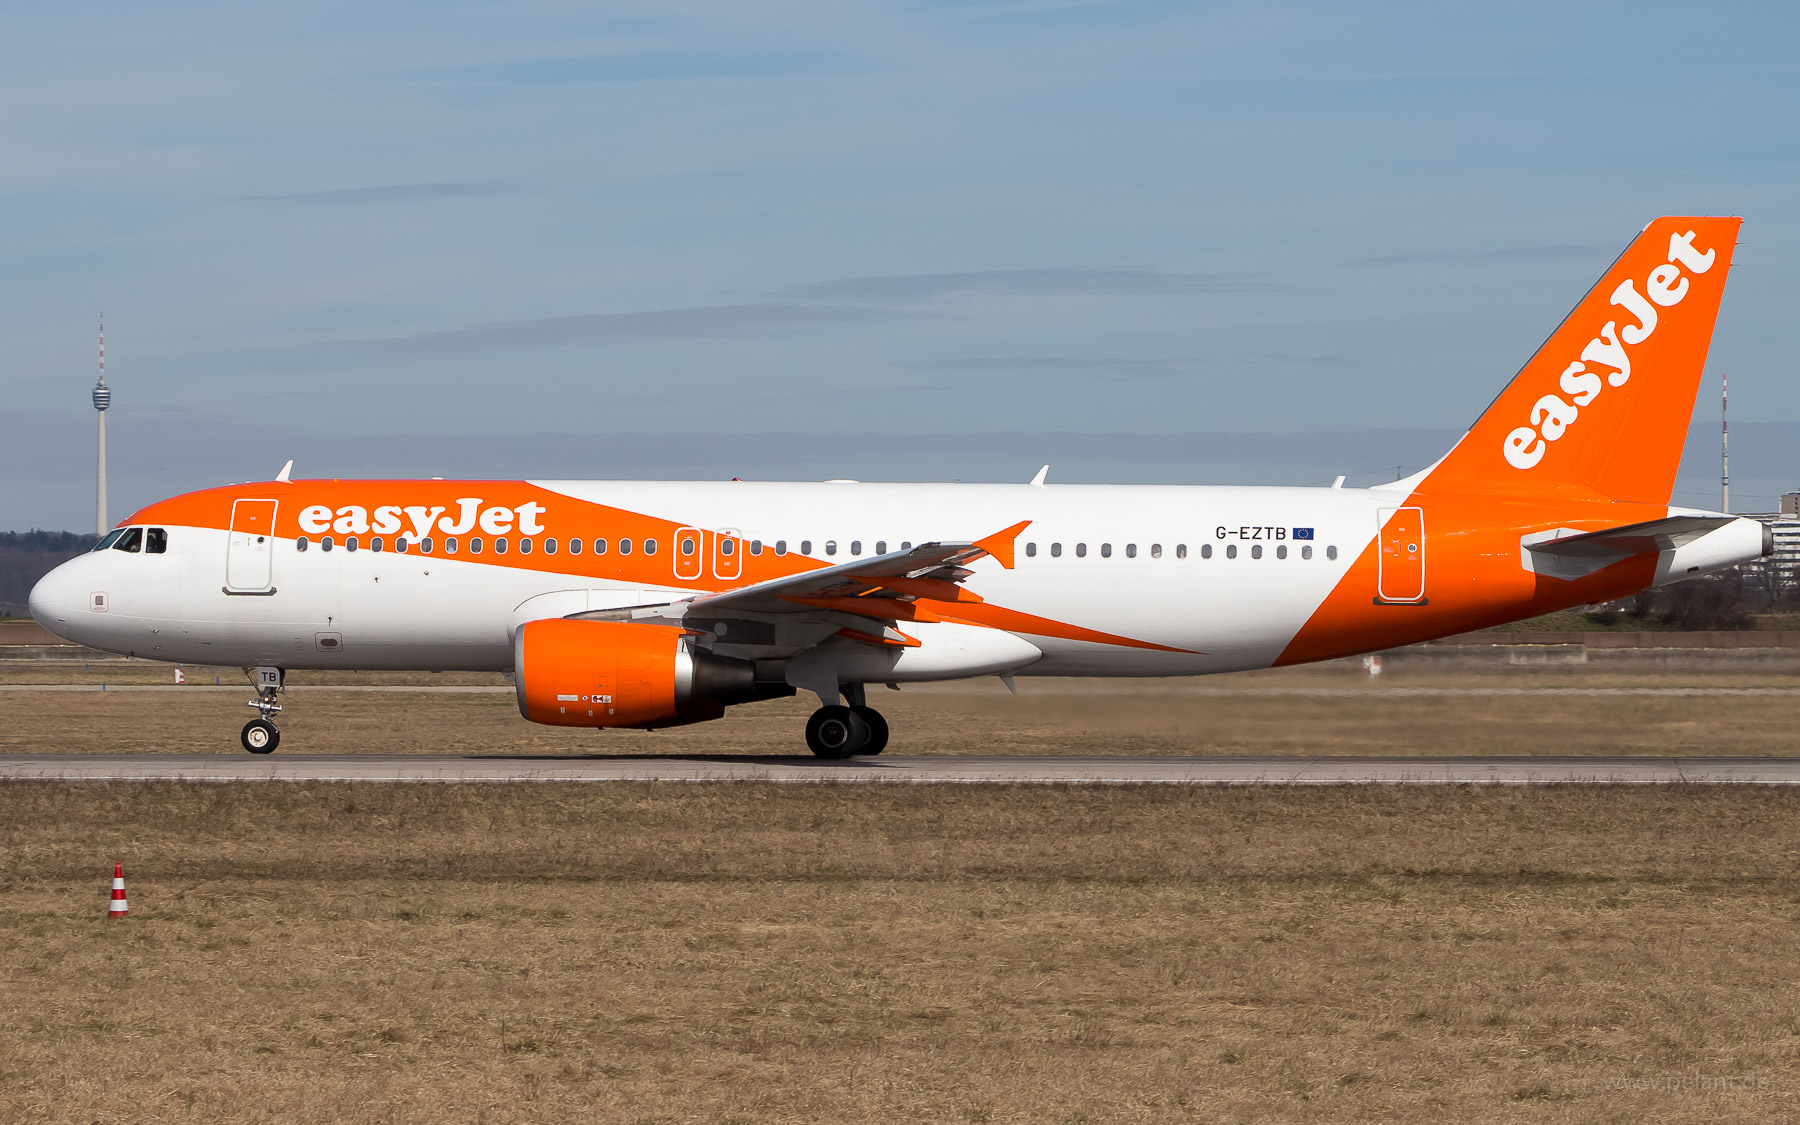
{"points": [[250, 547], [1400, 576]]}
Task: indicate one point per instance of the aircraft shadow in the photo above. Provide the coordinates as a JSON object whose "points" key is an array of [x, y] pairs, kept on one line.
{"points": [[720, 759]]}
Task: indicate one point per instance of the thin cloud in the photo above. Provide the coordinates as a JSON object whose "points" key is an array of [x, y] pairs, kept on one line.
{"points": [[1557, 252], [643, 66], [701, 322], [1122, 369], [385, 193], [1058, 282]]}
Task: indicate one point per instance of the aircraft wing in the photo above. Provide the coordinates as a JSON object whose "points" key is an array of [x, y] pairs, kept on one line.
{"points": [[883, 586], [1652, 535]]}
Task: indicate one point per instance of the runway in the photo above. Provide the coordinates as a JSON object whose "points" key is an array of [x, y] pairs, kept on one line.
{"points": [[1297, 770]]}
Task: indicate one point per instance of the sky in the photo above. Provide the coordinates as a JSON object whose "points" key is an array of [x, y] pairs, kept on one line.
{"points": [[1162, 242]]}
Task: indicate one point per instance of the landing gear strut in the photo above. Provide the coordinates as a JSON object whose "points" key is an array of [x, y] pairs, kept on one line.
{"points": [[842, 732], [260, 735]]}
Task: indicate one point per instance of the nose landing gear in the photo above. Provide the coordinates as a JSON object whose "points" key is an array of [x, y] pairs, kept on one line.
{"points": [[260, 735]]}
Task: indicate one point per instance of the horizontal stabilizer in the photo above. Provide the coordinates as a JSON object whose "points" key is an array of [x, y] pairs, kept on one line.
{"points": [[1653, 535]]}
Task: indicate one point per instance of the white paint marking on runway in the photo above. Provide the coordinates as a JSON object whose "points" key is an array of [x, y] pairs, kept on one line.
{"points": [[910, 769], [1208, 692]]}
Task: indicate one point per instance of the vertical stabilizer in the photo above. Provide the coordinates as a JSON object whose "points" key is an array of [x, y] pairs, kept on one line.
{"points": [[1603, 408]]}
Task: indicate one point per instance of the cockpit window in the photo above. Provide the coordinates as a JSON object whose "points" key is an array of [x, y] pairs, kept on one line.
{"points": [[156, 541], [132, 540], [111, 538]]}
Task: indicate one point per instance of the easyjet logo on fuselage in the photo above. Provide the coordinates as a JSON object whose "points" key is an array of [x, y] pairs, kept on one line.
{"points": [[1552, 414], [422, 519]]}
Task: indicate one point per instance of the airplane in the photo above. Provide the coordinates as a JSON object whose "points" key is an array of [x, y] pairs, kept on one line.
{"points": [[651, 604]]}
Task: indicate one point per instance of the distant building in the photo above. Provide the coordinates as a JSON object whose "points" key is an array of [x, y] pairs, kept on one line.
{"points": [[1782, 569], [1790, 505]]}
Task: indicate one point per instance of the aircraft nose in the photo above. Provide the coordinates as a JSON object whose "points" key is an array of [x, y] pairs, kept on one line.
{"points": [[52, 601]]}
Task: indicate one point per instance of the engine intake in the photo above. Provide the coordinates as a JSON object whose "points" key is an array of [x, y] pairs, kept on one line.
{"points": [[578, 673]]}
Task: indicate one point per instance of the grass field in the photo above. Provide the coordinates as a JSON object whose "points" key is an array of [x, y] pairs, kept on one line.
{"points": [[758, 953], [1211, 715]]}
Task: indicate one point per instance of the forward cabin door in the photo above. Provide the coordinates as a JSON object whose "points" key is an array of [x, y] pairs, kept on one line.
{"points": [[250, 548], [1400, 574]]}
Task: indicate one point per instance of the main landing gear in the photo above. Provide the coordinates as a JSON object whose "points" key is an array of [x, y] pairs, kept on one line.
{"points": [[838, 732], [260, 735]]}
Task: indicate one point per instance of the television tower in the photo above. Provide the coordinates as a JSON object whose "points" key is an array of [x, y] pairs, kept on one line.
{"points": [[102, 400]]}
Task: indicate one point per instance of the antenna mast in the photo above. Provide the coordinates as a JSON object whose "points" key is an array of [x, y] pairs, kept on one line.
{"points": [[1724, 447], [102, 400]]}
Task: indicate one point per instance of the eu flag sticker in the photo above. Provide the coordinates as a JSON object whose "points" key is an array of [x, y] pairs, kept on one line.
{"points": [[1303, 533]]}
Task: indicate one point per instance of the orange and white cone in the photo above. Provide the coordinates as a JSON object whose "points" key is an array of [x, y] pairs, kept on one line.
{"points": [[117, 908], [180, 676]]}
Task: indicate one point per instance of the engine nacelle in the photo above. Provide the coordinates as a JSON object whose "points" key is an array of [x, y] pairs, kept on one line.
{"points": [[575, 673]]}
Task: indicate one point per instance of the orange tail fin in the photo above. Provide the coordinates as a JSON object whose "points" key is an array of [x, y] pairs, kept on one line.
{"points": [[1603, 407]]}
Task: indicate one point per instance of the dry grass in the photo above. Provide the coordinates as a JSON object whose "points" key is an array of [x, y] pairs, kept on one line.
{"points": [[1050, 716], [763, 953]]}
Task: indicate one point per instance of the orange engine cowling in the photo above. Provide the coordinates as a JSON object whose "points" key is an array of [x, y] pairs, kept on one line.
{"points": [[575, 673]]}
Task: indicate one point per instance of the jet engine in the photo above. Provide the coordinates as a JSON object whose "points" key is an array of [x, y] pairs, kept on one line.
{"points": [[577, 673]]}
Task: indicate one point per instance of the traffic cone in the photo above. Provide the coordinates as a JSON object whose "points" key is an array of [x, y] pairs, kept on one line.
{"points": [[180, 676], [117, 908]]}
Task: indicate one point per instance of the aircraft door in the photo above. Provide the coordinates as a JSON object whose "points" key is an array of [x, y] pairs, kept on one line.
{"points": [[690, 553], [250, 548], [728, 554], [1400, 572]]}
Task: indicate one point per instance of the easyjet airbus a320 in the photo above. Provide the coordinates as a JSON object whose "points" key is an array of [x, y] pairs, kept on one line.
{"points": [[653, 604]]}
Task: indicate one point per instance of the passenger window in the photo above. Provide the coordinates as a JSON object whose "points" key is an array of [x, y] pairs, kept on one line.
{"points": [[132, 540], [325, 543], [1281, 551], [906, 546], [881, 546], [350, 543], [474, 544], [1156, 550], [1331, 553], [449, 545], [1256, 550], [375, 543], [806, 546], [856, 546], [1306, 551], [1056, 550], [549, 546], [687, 546], [599, 546], [1081, 550], [524, 546], [499, 546], [425, 545], [301, 544], [624, 546], [649, 546], [1106, 550], [1131, 550], [1205, 551], [1031, 550], [727, 546], [1231, 550], [831, 546], [781, 546], [399, 544], [574, 546], [156, 541], [111, 538], [756, 546]]}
